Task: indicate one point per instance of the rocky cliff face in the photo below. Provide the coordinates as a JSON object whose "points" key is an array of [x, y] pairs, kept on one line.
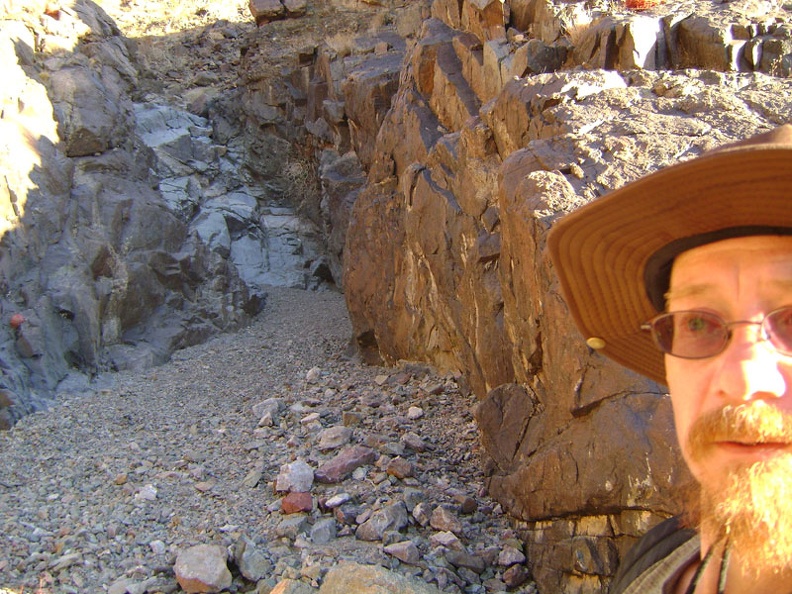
{"points": [[505, 116], [129, 228]]}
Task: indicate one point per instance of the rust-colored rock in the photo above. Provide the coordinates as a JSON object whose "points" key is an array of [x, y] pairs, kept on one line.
{"points": [[297, 502], [16, 320]]}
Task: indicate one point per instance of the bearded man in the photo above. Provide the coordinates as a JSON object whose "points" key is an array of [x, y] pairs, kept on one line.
{"points": [[686, 277]]}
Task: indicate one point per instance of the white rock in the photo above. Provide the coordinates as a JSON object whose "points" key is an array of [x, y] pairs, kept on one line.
{"points": [[313, 375], [147, 493], [414, 413], [295, 477], [202, 568], [337, 500]]}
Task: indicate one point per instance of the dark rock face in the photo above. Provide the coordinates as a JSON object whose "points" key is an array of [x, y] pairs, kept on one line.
{"points": [[128, 230]]}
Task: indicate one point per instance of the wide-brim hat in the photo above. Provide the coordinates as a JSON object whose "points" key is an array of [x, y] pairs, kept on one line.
{"points": [[613, 256]]}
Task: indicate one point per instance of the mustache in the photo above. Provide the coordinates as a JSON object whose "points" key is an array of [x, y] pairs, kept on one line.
{"points": [[751, 423]]}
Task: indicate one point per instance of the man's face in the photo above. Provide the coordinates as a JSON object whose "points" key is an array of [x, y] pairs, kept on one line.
{"points": [[733, 411], [738, 279]]}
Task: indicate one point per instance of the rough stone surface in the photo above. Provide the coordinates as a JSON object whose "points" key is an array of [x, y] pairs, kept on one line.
{"points": [[202, 568], [429, 146], [129, 230], [482, 150], [368, 579]]}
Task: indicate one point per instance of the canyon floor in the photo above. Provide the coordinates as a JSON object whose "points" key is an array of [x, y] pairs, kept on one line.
{"points": [[103, 491]]}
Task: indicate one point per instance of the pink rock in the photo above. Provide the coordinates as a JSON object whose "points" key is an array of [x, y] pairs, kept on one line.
{"points": [[342, 465], [442, 519]]}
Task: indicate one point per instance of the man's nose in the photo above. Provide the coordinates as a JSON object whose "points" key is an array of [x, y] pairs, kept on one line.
{"points": [[751, 366]]}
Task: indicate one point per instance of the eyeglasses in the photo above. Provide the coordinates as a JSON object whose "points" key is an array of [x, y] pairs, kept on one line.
{"points": [[697, 334]]}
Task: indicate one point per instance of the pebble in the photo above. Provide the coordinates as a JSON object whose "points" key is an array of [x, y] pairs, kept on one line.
{"points": [[337, 500], [333, 438], [400, 468], [405, 551], [111, 488], [414, 413], [510, 556], [443, 519], [296, 476], [344, 463]]}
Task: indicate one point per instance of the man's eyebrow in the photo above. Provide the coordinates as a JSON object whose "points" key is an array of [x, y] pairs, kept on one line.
{"points": [[781, 284], [690, 291], [784, 284]]}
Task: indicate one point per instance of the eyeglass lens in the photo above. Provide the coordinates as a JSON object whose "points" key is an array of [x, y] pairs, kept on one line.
{"points": [[699, 334]]}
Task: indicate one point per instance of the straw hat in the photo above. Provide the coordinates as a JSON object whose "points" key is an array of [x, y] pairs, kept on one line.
{"points": [[614, 255]]}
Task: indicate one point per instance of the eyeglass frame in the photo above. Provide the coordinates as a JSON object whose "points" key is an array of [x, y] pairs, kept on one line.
{"points": [[726, 326]]}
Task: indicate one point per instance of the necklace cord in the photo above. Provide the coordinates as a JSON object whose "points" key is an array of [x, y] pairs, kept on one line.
{"points": [[722, 570]]}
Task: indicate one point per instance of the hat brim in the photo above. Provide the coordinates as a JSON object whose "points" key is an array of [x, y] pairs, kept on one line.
{"points": [[600, 251]]}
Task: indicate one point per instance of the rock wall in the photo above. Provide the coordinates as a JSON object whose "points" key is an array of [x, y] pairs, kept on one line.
{"points": [[507, 115], [128, 229]]}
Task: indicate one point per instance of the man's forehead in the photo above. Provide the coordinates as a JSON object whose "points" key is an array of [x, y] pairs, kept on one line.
{"points": [[693, 271]]}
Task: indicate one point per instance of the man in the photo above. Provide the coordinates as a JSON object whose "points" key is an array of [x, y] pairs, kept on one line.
{"points": [[686, 277]]}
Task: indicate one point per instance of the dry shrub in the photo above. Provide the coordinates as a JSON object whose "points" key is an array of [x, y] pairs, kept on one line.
{"points": [[342, 44], [576, 20], [576, 31], [301, 187]]}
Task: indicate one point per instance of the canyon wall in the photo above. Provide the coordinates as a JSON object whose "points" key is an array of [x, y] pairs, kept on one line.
{"points": [[491, 122], [129, 228]]}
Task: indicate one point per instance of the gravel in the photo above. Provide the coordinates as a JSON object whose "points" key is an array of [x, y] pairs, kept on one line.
{"points": [[102, 492]]}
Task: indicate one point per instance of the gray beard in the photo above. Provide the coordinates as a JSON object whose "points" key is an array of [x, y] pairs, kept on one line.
{"points": [[753, 512], [750, 505]]}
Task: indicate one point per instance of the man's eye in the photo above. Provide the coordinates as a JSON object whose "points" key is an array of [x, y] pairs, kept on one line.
{"points": [[699, 324]]}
